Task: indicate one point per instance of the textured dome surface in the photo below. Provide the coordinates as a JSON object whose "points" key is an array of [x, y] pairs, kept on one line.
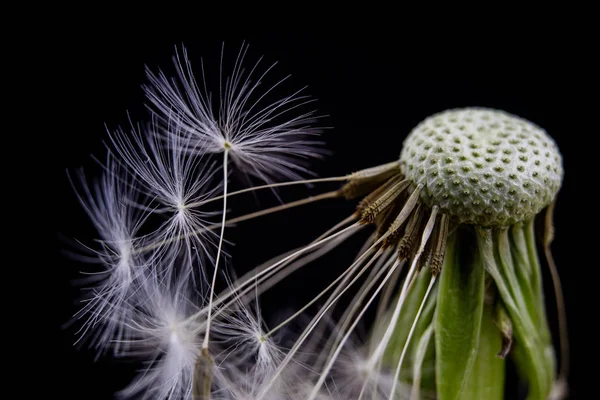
{"points": [[483, 166]]}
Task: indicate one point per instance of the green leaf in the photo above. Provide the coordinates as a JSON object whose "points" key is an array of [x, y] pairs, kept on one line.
{"points": [[458, 315]]}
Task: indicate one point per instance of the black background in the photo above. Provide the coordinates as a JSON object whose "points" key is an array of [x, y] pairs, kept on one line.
{"points": [[372, 88]]}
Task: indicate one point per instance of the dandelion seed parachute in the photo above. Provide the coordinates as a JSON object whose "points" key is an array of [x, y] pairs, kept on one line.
{"points": [[263, 138], [269, 139], [166, 173], [161, 333], [150, 212], [107, 203]]}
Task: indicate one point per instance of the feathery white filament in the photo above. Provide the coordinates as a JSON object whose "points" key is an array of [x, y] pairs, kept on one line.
{"points": [[410, 333], [335, 296], [248, 358], [269, 271], [173, 179], [377, 353], [264, 138], [340, 346], [165, 336], [117, 222], [418, 364], [384, 264]]}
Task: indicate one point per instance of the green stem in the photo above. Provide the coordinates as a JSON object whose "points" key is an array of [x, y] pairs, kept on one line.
{"points": [[486, 380], [458, 318]]}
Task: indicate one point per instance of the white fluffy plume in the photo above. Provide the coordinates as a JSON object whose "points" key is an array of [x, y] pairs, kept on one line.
{"points": [[269, 139], [108, 203]]}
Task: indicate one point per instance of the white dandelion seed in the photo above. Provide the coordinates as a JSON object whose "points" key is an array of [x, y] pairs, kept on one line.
{"points": [[246, 357], [108, 204], [264, 138], [174, 180], [353, 374], [166, 339]]}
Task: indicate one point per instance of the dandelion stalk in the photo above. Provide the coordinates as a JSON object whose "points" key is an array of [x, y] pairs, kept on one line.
{"points": [[272, 186], [458, 318], [214, 278], [241, 218]]}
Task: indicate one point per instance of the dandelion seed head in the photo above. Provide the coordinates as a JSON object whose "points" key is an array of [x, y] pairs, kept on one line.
{"points": [[483, 166]]}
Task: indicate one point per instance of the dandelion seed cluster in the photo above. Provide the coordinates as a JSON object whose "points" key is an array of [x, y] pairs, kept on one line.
{"points": [[466, 190], [161, 255]]}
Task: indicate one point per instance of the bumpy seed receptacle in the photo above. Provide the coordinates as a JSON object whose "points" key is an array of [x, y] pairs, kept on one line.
{"points": [[483, 166]]}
